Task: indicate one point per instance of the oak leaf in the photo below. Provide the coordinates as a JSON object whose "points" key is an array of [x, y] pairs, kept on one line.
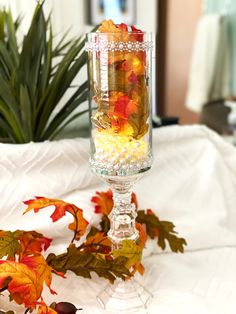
{"points": [[78, 226], [9, 244], [132, 251], [97, 241], [163, 230], [83, 264], [22, 243]]}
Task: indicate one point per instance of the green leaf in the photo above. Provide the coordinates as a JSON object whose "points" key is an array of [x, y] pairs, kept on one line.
{"points": [[12, 41], [62, 126], [132, 251], [36, 77], [83, 264], [60, 83], [9, 245], [6, 60], [26, 113], [163, 230], [65, 112], [32, 53], [2, 25]]}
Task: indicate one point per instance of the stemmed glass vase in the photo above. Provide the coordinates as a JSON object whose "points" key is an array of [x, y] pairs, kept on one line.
{"points": [[119, 66]]}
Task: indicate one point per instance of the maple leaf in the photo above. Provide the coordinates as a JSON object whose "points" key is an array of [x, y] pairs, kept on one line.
{"points": [[22, 243], [138, 34], [97, 241], [26, 279], [163, 230], [42, 269], [108, 26], [104, 202], [133, 78], [132, 251], [142, 234], [82, 264], [120, 109], [32, 243], [78, 226], [9, 245], [44, 309], [24, 287], [123, 27]]}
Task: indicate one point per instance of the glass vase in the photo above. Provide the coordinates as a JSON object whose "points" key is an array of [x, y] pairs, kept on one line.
{"points": [[119, 67]]}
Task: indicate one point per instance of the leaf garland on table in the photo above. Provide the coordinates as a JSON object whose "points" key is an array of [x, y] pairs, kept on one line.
{"points": [[24, 270]]}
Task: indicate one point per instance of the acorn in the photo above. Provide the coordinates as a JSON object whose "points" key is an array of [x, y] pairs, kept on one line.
{"points": [[65, 308]]}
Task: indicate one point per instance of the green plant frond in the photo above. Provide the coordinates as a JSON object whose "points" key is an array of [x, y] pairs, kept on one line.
{"points": [[6, 130], [62, 44], [18, 22], [67, 122], [12, 41], [13, 123], [2, 25], [34, 78], [6, 59], [66, 111], [26, 113], [8, 97], [32, 52], [46, 65], [59, 84]]}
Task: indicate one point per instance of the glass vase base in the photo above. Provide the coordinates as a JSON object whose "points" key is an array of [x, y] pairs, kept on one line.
{"points": [[125, 297]]}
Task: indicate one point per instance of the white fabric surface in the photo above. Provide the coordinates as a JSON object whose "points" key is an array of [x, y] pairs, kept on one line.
{"points": [[209, 77], [193, 184], [48, 168]]}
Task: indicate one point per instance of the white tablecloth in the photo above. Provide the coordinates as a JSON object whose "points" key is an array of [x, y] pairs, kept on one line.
{"points": [[193, 184]]}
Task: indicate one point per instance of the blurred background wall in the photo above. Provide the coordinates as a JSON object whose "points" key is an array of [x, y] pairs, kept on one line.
{"points": [[178, 20]]}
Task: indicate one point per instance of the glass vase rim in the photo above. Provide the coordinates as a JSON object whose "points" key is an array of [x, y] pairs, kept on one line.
{"points": [[113, 33]]}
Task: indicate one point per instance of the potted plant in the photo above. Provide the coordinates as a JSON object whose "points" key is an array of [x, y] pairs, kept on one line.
{"points": [[34, 78]]}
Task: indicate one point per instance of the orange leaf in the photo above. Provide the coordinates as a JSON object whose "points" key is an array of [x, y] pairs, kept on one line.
{"points": [[25, 286], [99, 243], [104, 202], [108, 26], [41, 202], [138, 267], [33, 243], [44, 309], [42, 269], [22, 243], [142, 234], [79, 225]]}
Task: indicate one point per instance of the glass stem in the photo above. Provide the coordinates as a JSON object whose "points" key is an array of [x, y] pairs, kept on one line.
{"points": [[123, 214]]}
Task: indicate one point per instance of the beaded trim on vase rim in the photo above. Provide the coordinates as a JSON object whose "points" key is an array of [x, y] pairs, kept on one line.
{"points": [[119, 46]]}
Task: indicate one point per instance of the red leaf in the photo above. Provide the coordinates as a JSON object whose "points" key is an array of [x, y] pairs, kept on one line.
{"points": [[133, 78], [123, 27], [27, 279], [104, 202], [79, 225]]}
